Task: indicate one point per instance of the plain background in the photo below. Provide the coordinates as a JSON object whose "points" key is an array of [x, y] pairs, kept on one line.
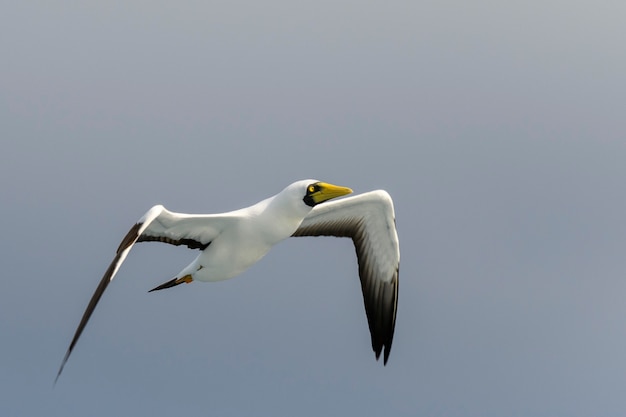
{"points": [[497, 127]]}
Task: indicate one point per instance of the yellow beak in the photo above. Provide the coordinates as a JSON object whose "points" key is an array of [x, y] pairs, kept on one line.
{"points": [[327, 191]]}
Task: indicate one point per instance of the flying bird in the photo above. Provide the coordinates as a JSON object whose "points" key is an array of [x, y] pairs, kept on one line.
{"points": [[231, 242]]}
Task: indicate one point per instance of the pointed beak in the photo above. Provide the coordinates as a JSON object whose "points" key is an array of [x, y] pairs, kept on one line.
{"points": [[329, 191]]}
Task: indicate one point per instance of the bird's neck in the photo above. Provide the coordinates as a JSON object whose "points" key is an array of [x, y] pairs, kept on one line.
{"points": [[282, 217]]}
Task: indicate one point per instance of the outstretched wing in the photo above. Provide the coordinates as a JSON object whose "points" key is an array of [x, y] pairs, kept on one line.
{"points": [[158, 224], [369, 220]]}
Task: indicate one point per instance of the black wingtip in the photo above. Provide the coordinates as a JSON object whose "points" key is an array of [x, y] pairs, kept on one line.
{"points": [[67, 355], [57, 377], [385, 355]]}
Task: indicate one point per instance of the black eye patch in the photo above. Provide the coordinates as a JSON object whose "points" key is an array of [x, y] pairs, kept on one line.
{"points": [[313, 188]]}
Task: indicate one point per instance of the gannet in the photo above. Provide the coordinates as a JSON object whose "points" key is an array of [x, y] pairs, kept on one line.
{"points": [[231, 242]]}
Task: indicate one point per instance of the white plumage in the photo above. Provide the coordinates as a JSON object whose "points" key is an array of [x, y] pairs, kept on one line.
{"points": [[231, 242]]}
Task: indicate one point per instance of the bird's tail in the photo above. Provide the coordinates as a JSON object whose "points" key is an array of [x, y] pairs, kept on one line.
{"points": [[173, 282]]}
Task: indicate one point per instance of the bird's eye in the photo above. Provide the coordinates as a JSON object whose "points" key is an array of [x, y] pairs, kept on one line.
{"points": [[311, 188]]}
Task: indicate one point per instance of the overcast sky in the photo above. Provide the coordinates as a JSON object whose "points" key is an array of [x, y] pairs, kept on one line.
{"points": [[497, 127]]}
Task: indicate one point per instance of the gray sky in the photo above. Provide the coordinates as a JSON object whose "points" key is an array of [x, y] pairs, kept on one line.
{"points": [[497, 127]]}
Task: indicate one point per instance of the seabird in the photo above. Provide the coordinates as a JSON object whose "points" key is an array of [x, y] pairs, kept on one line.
{"points": [[231, 242]]}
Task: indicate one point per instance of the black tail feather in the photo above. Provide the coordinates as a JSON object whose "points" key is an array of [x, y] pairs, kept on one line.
{"points": [[168, 284]]}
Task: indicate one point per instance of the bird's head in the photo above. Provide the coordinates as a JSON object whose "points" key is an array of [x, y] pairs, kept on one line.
{"points": [[300, 197], [316, 192]]}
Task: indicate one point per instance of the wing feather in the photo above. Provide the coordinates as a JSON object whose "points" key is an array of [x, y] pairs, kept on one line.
{"points": [[158, 224], [369, 220]]}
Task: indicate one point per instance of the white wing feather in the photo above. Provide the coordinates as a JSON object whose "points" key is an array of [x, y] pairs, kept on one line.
{"points": [[158, 224]]}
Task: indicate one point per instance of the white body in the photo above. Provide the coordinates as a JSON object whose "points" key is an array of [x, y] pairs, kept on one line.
{"points": [[254, 231]]}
